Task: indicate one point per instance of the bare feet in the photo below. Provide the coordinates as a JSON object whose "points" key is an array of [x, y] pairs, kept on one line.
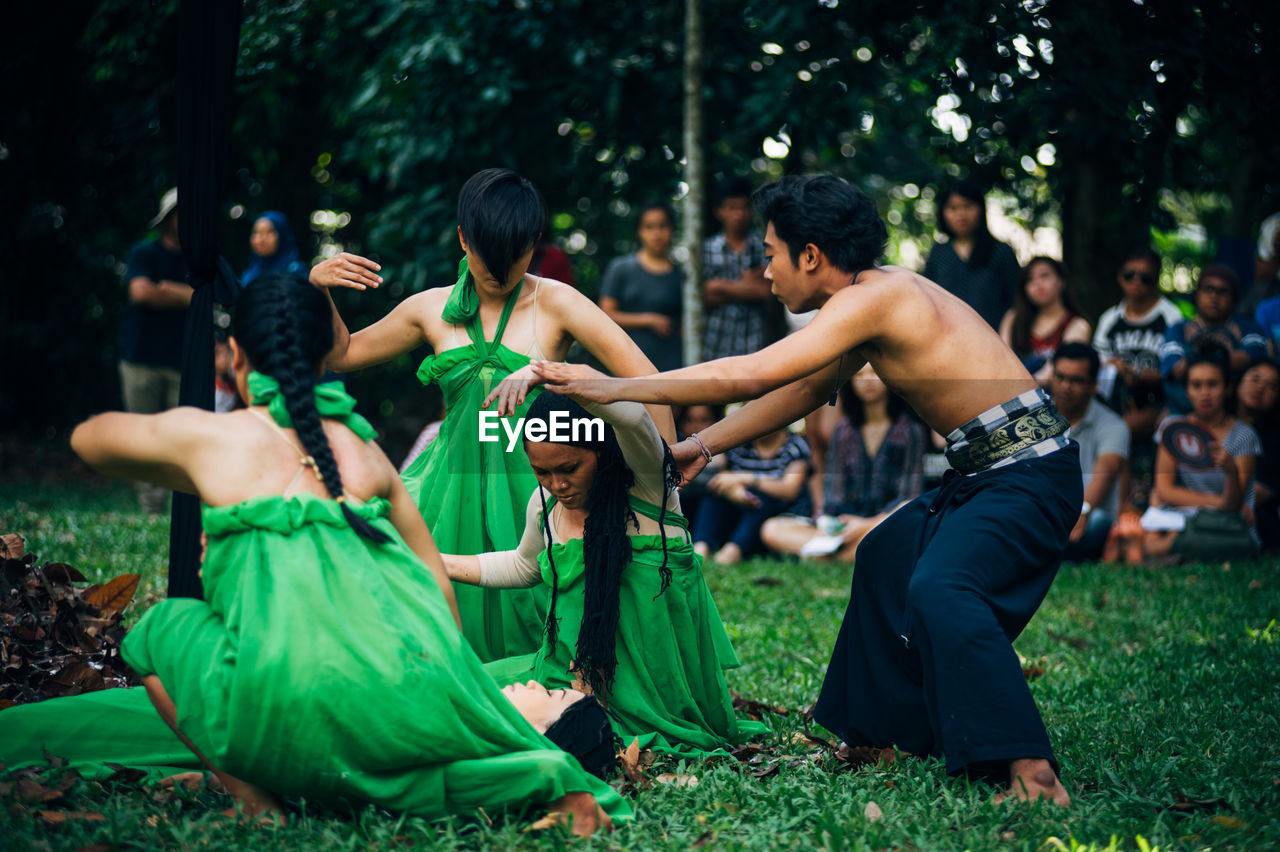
{"points": [[253, 804], [730, 554], [585, 816], [1031, 779]]}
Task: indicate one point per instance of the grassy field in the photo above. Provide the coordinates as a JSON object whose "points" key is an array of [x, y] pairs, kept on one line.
{"points": [[1160, 689]]}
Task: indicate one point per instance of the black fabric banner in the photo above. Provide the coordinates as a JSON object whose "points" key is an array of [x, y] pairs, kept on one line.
{"points": [[208, 43]]}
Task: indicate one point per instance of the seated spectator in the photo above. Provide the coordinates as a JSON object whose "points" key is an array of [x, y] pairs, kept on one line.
{"points": [[761, 479], [1104, 447], [642, 292], [1216, 501], [1043, 317], [1129, 338], [874, 464], [1244, 339], [1256, 400], [690, 420]]}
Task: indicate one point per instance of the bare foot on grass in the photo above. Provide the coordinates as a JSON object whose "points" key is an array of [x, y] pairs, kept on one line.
{"points": [[253, 804], [1031, 780]]}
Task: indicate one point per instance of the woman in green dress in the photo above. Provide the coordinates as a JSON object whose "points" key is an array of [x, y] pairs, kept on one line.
{"points": [[631, 620], [327, 662], [483, 330]]}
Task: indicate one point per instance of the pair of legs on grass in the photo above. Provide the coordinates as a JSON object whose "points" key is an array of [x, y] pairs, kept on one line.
{"points": [[924, 660]]}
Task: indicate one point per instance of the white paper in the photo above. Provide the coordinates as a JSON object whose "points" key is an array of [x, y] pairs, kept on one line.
{"points": [[1156, 519], [821, 545]]}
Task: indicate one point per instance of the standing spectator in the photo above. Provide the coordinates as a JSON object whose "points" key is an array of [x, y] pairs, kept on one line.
{"points": [[151, 327], [1223, 492], [274, 249], [742, 314], [1043, 317], [762, 479], [1256, 399], [1104, 447], [972, 264], [1129, 338], [1244, 339], [875, 463], [642, 292]]}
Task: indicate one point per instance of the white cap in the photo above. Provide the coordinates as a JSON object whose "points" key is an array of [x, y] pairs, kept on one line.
{"points": [[168, 204]]}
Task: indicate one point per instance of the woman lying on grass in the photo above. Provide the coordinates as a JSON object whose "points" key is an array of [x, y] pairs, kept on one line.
{"points": [[631, 619], [482, 332], [327, 662]]}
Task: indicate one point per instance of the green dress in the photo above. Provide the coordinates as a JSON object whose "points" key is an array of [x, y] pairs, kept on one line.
{"points": [[322, 665], [472, 494], [669, 686]]}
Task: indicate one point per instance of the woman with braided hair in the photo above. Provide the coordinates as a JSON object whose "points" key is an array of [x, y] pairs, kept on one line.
{"points": [[630, 617], [329, 618], [483, 331]]}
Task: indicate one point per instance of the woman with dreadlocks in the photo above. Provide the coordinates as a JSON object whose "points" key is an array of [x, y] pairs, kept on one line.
{"points": [[329, 616], [631, 620]]}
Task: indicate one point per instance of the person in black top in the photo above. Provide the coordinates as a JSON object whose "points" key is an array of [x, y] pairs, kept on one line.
{"points": [[972, 264], [151, 325]]}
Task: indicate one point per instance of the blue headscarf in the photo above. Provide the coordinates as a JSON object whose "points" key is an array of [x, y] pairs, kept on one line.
{"points": [[285, 260]]}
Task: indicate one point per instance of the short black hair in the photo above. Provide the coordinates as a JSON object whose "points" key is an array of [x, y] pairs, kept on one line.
{"points": [[584, 731], [1212, 353], [1223, 273], [831, 213], [1079, 351], [1142, 252], [501, 215], [657, 205], [733, 186]]}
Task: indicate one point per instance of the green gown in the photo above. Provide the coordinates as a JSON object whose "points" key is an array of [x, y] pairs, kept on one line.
{"points": [[669, 687], [473, 494], [322, 665]]}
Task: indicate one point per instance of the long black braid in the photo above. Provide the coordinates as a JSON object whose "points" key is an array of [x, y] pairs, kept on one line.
{"points": [[283, 325], [606, 546]]}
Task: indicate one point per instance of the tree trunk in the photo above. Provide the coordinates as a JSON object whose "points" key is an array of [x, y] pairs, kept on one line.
{"points": [[695, 177]]}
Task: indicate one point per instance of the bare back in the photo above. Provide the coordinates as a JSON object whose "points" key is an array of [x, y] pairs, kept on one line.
{"points": [[931, 348]]}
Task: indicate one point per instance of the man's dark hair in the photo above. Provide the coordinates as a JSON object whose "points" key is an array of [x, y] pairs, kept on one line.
{"points": [[1079, 351], [733, 186], [1223, 273], [1143, 252], [500, 215], [834, 215]]}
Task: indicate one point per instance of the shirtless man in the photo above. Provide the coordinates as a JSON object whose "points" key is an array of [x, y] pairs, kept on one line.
{"points": [[924, 659]]}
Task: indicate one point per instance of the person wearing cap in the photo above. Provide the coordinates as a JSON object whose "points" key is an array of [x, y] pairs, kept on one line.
{"points": [[151, 325]]}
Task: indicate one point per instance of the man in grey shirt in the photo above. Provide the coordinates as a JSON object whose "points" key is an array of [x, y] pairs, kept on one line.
{"points": [[1104, 447]]}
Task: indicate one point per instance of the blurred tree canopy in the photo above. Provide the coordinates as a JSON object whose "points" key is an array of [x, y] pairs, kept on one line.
{"points": [[361, 120]]}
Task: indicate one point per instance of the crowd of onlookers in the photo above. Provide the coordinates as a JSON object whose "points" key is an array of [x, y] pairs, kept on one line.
{"points": [[1173, 403]]}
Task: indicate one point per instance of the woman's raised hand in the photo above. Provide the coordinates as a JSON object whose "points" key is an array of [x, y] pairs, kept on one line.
{"points": [[511, 391], [576, 380], [346, 270]]}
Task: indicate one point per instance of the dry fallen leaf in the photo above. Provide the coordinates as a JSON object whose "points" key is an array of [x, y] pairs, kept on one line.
{"points": [[551, 820], [113, 596], [681, 780], [1228, 821], [12, 546], [62, 816], [872, 812]]}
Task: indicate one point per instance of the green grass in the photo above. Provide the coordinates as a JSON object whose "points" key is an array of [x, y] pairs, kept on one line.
{"points": [[1161, 686]]}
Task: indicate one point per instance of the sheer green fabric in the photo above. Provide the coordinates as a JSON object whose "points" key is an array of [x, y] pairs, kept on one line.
{"points": [[463, 302], [669, 687], [473, 494], [323, 666]]}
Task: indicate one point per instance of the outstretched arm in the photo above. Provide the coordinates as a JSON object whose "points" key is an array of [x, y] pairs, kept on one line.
{"points": [[399, 331], [845, 322], [154, 448]]}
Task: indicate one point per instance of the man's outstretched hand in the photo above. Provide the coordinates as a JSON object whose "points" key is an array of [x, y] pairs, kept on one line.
{"points": [[577, 380]]}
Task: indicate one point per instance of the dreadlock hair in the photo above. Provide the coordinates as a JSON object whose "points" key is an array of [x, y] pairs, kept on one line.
{"points": [[500, 215], [283, 325], [606, 545]]}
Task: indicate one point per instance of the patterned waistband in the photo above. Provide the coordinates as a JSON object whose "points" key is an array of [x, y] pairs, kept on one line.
{"points": [[1027, 426]]}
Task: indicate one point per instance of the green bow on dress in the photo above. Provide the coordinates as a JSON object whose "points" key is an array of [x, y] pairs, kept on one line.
{"points": [[332, 400]]}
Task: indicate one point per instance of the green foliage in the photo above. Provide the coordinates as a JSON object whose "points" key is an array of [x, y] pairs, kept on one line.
{"points": [[1159, 700]]}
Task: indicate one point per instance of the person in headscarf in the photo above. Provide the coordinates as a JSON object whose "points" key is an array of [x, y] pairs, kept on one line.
{"points": [[274, 249]]}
